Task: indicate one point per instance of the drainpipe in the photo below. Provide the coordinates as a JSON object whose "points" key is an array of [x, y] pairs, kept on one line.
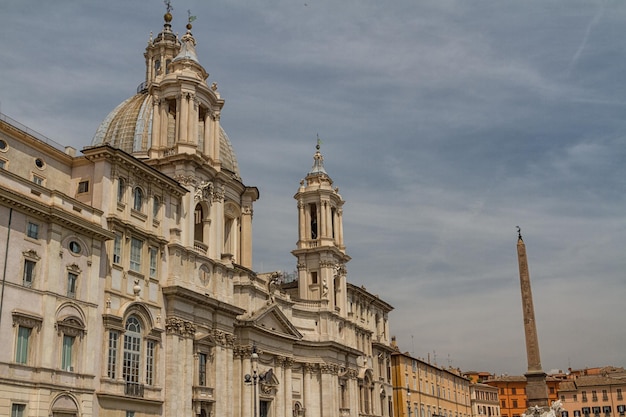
{"points": [[6, 256]]}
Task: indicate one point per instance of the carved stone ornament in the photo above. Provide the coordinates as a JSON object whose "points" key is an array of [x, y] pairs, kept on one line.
{"points": [[223, 338], [204, 191], [219, 193], [27, 320], [340, 270], [185, 179], [174, 325], [329, 368], [71, 327]]}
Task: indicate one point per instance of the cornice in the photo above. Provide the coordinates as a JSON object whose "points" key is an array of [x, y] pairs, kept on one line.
{"points": [[201, 299], [118, 157], [54, 214]]}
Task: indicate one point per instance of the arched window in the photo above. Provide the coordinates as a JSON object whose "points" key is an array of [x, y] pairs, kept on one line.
{"points": [[137, 199], [132, 350], [138, 357], [198, 217]]}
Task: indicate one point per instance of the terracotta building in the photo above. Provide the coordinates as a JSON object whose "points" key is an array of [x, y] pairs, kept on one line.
{"points": [[127, 287], [594, 395], [512, 393]]}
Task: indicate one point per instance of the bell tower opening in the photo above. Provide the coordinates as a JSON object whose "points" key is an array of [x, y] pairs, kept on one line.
{"points": [[313, 215]]}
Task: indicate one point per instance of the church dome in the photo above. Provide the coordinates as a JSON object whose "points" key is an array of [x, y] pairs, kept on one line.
{"points": [[129, 128]]}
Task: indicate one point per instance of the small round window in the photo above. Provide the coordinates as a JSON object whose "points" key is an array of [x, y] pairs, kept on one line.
{"points": [[3, 145], [40, 163], [74, 246]]}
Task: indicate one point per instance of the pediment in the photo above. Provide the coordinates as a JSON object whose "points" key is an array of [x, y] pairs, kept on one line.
{"points": [[271, 319]]}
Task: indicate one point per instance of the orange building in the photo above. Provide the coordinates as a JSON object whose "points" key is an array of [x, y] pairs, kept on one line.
{"points": [[594, 396], [512, 393]]}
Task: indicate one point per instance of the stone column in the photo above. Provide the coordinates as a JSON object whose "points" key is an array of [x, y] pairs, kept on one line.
{"points": [[340, 226], [208, 145], [184, 118], [216, 137], [217, 222], [306, 390], [287, 389], [328, 391], [179, 103], [179, 371], [246, 237], [193, 121], [164, 120], [156, 123], [301, 222]]}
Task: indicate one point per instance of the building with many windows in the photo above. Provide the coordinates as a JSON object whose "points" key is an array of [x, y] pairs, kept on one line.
{"points": [[484, 400], [422, 389], [512, 393], [127, 287], [594, 395]]}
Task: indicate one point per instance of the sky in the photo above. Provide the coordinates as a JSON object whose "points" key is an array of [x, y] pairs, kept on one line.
{"points": [[445, 124]]}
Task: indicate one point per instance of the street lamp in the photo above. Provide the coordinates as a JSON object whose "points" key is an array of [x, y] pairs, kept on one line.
{"points": [[254, 378], [408, 399]]}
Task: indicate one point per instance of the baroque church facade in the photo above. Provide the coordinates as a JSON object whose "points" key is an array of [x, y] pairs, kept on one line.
{"points": [[128, 289]]}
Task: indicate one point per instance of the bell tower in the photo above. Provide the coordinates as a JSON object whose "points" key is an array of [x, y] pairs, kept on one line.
{"points": [[320, 248]]}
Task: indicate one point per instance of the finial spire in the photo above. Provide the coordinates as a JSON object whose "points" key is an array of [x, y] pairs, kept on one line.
{"points": [[318, 159], [519, 233], [190, 19], [168, 13]]}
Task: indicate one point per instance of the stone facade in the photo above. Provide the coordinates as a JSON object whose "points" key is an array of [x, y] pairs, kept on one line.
{"points": [[127, 287], [422, 389]]}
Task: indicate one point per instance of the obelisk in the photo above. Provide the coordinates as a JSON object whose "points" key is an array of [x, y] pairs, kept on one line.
{"points": [[536, 387]]}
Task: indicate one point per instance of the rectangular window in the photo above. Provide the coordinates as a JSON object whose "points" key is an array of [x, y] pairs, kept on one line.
{"points": [[3, 164], [18, 410], [83, 187], [202, 369], [21, 350], [575, 397], [594, 396], [313, 277], [112, 358], [136, 246], [513, 391], [150, 362], [153, 262], [117, 249], [130, 414], [71, 284], [605, 396], [66, 359], [619, 394], [29, 273], [32, 230], [514, 403], [37, 180]]}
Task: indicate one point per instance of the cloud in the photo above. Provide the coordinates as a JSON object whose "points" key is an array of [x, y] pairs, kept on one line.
{"points": [[445, 124]]}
